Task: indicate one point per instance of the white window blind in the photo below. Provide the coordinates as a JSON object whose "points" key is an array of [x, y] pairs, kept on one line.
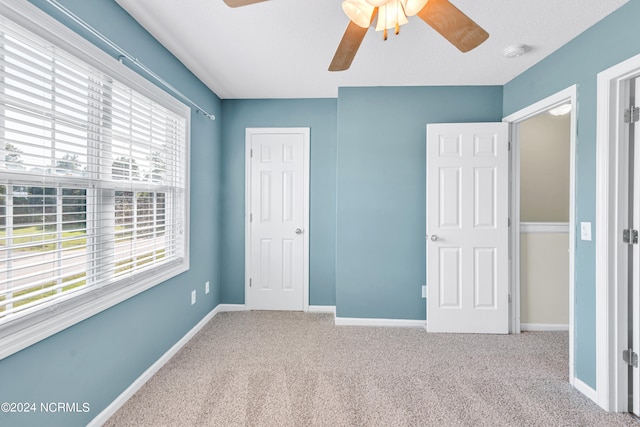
{"points": [[92, 177]]}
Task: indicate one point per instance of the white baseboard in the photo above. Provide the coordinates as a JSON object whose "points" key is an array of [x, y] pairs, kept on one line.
{"points": [[585, 389], [103, 416], [242, 307], [322, 309], [222, 308], [402, 323], [543, 327]]}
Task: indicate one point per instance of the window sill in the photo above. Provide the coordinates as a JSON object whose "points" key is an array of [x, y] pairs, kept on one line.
{"points": [[27, 330]]}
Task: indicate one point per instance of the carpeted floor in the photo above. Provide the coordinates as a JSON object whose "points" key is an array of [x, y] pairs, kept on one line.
{"points": [[296, 369]]}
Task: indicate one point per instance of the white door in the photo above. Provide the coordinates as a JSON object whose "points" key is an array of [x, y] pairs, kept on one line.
{"points": [[278, 172], [467, 228]]}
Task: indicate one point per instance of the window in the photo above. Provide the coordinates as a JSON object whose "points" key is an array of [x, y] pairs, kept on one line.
{"points": [[93, 178]]}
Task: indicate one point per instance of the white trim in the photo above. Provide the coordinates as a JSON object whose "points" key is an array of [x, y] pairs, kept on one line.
{"points": [[585, 389], [322, 309], [401, 323], [531, 327], [247, 203], [611, 301], [225, 308], [29, 329], [544, 227], [544, 105], [113, 407], [515, 232], [48, 322], [568, 94]]}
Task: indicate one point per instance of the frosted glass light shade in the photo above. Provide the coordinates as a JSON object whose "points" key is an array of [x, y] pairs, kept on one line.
{"points": [[378, 3], [412, 7], [561, 110], [359, 11], [390, 15]]}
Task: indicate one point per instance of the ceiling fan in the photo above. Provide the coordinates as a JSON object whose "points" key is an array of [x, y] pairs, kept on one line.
{"points": [[441, 15]]}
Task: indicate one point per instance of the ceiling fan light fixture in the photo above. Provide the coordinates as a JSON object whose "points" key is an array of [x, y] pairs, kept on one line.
{"points": [[358, 11], [449, 21], [391, 15], [412, 7], [378, 3]]}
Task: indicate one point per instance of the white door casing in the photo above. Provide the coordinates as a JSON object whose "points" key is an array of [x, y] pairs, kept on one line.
{"points": [[467, 228], [277, 219], [634, 268], [568, 95], [612, 299]]}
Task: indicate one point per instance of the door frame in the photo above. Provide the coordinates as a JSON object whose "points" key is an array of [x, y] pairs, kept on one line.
{"points": [[567, 95], [611, 273], [305, 131]]}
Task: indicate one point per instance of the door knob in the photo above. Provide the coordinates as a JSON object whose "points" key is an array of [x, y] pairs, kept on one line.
{"points": [[298, 231], [434, 238]]}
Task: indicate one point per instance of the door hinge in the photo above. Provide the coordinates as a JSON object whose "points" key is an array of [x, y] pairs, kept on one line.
{"points": [[249, 282], [509, 146], [508, 222], [630, 357], [509, 298], [251, 153], [632, 114], [630, 236], [250, 217]]}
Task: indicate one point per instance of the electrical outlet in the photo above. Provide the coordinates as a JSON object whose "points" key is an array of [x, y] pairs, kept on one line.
{"points": [[206, 287], [193, 297], [424, 291]]}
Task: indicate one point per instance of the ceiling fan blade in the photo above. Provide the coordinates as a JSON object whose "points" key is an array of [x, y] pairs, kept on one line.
{"points": [[238, 3], [453, 25], [349, 45]]}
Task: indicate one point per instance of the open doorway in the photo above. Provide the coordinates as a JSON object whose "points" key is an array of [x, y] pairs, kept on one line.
{"points": [[549, 226], [545, 151]]}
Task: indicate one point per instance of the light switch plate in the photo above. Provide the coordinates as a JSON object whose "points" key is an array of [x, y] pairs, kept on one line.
{"points": [[585, 231]]}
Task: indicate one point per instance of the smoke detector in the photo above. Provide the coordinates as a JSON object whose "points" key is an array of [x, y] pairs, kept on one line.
{"points": [[515, 50]]}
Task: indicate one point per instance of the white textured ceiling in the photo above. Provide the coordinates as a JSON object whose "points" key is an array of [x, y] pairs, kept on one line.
{"points": [[282, 48]]}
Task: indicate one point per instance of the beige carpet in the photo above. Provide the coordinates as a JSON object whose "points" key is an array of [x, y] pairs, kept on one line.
{"points": [[295, 369]]}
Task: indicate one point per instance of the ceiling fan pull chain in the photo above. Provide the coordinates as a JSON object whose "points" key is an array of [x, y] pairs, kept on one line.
{"points": [[384, 34], [398, 6]]}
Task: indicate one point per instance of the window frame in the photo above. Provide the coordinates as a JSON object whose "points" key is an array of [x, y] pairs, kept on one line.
{"points": [[23, 331]]}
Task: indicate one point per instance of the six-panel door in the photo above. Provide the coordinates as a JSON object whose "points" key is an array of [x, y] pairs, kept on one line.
{"points": [[276, 221], [467, 228]]}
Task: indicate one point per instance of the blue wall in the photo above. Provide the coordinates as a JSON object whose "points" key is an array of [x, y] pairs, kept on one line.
{"points": [[381, 194], [578, 62], [367, 209], [95, 360], [320, 116]]}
